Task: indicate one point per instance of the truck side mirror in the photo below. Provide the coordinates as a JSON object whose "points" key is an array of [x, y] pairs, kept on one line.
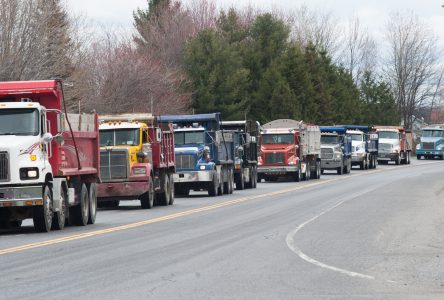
{"points": [[59, 139], [47, 137]]}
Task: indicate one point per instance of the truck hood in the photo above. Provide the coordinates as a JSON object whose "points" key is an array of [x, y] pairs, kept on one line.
{"points": [[431, 139], [186, 150], [19, 145], [273, 147], [389, 141]]}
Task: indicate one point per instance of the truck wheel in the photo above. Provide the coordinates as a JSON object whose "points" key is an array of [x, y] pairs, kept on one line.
{"points": [[340, 170], [220, 190], [418, 157], [58, 221], [165, 195], [361, 165], [318, 169], [240, 183], [42, 214], [255, 179], [81, 210], [227, 184], [231, 184], [398, 160], [171, 189], [298, 174], [212, 186], [408, 158], [307, 175], [92, 193]]}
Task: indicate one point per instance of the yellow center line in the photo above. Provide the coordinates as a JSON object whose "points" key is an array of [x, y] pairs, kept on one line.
{"points": [[180, 214]]}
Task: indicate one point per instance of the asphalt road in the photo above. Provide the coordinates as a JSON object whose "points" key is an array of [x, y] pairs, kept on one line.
{"points": [[375, 234]]}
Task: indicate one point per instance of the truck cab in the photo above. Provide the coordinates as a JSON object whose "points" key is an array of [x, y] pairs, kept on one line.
{"points": [[335, 150], [432, 143]]}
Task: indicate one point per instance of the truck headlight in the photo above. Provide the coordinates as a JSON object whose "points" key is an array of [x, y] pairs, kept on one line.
{"points": [[29, 173], [202, 167], [418, 147], [338, 156], [291, 163], [139, 171]]}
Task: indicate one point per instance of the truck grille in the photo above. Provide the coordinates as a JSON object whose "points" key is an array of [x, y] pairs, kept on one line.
{"points": [[383, 147], [113, 165], [185, 161], [4, 166], [326, 153], [274, 158], [428, 146]]}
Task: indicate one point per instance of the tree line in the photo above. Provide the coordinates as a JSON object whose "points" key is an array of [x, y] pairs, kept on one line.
{"points": [[245, 63]]}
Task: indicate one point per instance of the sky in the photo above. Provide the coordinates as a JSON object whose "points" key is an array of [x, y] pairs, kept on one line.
{"points": [[372, 14]]}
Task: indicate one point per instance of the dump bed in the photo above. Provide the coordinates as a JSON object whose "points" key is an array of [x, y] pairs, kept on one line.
{"points": [[163, 151]]}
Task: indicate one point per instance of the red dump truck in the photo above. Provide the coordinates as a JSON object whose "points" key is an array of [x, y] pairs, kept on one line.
{"points": [[49, 159], [136, 160], [289, 148]]}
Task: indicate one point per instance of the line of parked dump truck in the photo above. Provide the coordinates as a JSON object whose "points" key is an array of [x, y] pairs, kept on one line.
{"points": [[57, 167]]}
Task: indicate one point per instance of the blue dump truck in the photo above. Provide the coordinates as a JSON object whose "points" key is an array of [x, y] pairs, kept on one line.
{"points": [[432, 143], [204, 154], [364, 146], [336, 149], [246, 134]]}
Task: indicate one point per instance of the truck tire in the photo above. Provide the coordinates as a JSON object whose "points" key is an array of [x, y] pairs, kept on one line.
{"points": [[255, 177], [298, 174], [58, 221], [171, 178], [165, 194], [240, 182], [398, 160], [80, 212], [212, 186], [147, 198], [227, 183], [307, 172], [408, 158], [220, 190], [340, 170], [361, 165], [92, 193], [42, 215], [318, 169], [231, 183], [418, 157], [249, 184]]}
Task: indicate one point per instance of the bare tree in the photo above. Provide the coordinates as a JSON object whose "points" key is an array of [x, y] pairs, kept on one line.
{"points": [[317, 28], [412, 63], [118, 78], [35, 40], [359, 53]]}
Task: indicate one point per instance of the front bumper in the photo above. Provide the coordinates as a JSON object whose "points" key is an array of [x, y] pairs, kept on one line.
{"points": [[429, 152], [21, 196], [330, 164], [388, 156], [357, 158], [276, 170], [193, 176], [124, 190]]}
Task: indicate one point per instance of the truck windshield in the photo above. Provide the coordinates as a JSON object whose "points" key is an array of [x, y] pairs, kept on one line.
{"points": [[188, 137], [432, 133], [330, 139], [356, 137], [388, 135], [119, 137], [277, 139], [19, 121]]}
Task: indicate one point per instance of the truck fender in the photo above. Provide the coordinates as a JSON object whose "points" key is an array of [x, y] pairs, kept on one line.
{"points": [[57, 185]]}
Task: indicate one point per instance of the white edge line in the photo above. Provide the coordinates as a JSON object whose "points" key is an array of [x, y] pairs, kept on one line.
{"points": [[290, 243]]}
